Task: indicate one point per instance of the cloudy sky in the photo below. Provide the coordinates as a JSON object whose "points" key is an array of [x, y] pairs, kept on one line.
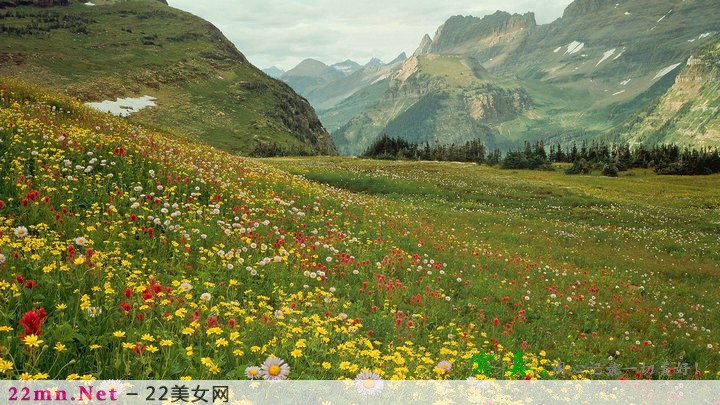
{"points": [[284, 32]]}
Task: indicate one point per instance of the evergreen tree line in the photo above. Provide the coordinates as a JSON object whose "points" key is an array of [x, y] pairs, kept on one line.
{"points": [[272, 149], [389, 148], [609, 158]]}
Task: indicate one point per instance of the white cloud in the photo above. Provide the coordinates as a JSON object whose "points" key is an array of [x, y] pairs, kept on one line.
{"points": [[284, 32]]}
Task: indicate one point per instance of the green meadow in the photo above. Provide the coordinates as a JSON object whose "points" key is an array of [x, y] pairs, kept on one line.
{"points": [[127, 253]]}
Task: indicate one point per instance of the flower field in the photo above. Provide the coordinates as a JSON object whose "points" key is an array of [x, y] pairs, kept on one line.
{"points": [[130, 254]]}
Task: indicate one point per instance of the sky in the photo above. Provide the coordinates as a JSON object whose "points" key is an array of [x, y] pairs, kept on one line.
{"points": [[284, 32]]}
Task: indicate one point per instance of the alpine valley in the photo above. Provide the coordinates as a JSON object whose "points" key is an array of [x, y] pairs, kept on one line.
{"points": [[621, 71]]}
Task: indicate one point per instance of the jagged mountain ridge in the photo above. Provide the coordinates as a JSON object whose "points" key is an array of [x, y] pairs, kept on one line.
{"points": [[204, 87], [583, 74]]}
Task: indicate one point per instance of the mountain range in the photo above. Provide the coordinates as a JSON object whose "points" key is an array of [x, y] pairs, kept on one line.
{"points": [[625, 71], [203, 87]]}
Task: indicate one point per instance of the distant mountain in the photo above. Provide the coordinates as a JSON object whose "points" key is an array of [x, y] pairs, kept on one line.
{"points": [[326, 86], [273, 71], [347, 67], [310, 75], [505, 79], [201, 84], [374, 62]]}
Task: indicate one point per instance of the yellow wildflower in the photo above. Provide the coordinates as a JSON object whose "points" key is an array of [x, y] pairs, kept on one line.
{"points": [[33, 341]]}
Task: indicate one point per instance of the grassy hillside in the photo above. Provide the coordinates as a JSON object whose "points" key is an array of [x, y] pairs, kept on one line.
{"points": [[126, 253], [205, 88]]}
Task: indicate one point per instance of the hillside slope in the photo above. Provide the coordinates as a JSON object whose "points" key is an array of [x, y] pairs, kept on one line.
{"points": [[688, 114], [203, 86]]}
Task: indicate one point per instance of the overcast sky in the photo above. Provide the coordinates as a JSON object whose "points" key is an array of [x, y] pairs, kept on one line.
{"points": [[284, 32]]}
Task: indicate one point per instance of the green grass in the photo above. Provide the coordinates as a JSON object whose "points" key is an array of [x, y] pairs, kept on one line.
{"points": [[639, 221]]}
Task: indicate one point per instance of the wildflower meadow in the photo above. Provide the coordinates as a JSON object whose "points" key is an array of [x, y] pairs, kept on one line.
{"points": [[131, 254]]}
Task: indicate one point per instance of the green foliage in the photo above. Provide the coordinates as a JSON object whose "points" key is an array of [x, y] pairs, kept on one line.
{"points": [[531, 157], [610, 170]]}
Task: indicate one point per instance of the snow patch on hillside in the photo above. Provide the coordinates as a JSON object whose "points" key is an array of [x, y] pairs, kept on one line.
{"points": [[665, 71], [618, 55], [663, 17], [574, 47], [606, 55], [124, 106], [701, 36]]}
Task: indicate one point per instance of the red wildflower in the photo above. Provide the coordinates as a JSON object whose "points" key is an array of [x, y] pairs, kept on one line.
{"points": [[32, 321], [139, 348]]}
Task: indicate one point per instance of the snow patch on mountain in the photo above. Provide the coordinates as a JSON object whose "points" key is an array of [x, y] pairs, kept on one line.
{"points": [[665, 71], [124, 106], [663, 17], [606, 55], [618, 55], [574, 47]]}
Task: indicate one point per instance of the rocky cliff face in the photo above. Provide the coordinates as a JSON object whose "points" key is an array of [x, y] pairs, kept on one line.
{"points": [[297, 114], [491, 37]]}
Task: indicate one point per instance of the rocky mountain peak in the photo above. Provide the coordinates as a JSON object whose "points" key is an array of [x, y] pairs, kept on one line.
{"points": [[424, 47], [399, 58]]}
